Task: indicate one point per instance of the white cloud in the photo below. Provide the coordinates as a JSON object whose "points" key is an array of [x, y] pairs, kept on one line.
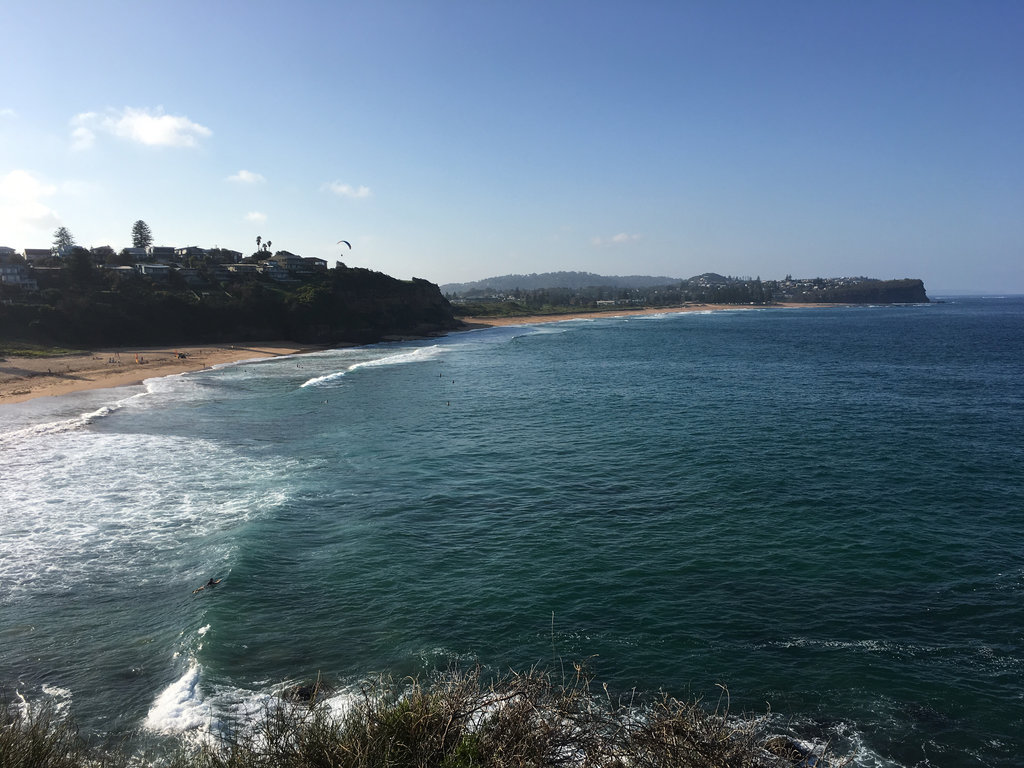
{"points": [[149, 127], [159, 129], [8, 113], [347, 190], [23, 214], [82, 135], [619, 239], [19, 186], [255, 216], [247, 177]]}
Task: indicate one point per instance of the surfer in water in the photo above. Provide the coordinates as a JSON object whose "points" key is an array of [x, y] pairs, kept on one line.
{"points": [[210, 583]]}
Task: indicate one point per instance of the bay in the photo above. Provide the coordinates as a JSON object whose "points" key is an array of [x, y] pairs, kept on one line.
{"points": [[821, 509]]}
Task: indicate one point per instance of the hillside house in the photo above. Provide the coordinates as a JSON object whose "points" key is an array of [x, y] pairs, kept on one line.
{"points": [[191, 252], [224, 255], [155, 271], [161, 252], [244, 270], [14, 271], [35, 255]]}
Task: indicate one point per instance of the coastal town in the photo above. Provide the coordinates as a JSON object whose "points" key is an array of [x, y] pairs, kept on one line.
{"points": [[195, 265]]}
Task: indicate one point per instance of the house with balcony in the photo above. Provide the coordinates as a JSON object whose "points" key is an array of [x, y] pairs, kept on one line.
{"points": [[244, 270], [191, 252], [15, 272], [224, 256], [37, 255], [161, 253], [155, 271]]}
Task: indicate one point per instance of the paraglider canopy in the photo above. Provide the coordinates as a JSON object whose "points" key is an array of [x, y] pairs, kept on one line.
{"points": [[346, 242]]}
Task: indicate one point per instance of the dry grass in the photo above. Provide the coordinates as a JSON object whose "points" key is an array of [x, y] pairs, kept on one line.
{"points": [[459, 720], [38, 737]]}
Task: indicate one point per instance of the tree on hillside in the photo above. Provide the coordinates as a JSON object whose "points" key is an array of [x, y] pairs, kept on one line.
{"points": [[62, 239], [142, 236], [79, 268]]}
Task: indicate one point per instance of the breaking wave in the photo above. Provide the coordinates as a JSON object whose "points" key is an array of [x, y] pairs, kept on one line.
{"points": [[412, 356]]}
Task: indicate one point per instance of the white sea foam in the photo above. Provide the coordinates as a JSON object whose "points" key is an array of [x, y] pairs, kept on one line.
{"points": [[60, 698], [856, 646], [842, 740], [43, 418], [187, 707], [327, 378], [54, 698], [180, 707], [56, 427], [76, 517], [420, 354], [860, 754]]}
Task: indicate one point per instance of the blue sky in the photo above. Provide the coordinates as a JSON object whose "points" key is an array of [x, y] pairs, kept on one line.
{"points": [[458, 140]]}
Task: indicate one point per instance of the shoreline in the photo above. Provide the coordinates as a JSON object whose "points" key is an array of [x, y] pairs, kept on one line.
{"points": [[488, 322], [27, 378]]}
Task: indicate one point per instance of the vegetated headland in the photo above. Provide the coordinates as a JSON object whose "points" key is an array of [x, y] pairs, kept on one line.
{"points": [[77, 303]]}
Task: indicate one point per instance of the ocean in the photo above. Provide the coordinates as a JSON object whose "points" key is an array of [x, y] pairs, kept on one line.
{"points": [[820, 509]]}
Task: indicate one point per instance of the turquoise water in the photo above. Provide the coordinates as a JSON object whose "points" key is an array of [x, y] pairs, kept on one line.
{"points": [[821, 509]]}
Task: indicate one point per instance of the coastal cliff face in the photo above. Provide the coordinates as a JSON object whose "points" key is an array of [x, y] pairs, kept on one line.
{"points": [[362, 306], [907, 291], [342, 305]]}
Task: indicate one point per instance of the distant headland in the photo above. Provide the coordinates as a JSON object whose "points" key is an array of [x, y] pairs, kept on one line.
{"points": [[553, 292]]}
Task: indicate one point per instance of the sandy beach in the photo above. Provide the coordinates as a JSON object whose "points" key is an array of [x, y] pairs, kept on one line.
{"points": [[25, 378], [483, 322]]}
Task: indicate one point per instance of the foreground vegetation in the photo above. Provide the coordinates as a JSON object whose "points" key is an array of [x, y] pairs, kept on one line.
{"points": [[458, 721]]}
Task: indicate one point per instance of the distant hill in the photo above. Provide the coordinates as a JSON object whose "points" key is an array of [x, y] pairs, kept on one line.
{"points": [[552, 290], [580, 288], [572, 280]]}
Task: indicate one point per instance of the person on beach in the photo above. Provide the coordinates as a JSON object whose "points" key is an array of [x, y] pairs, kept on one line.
{"points": [[210, 583]]}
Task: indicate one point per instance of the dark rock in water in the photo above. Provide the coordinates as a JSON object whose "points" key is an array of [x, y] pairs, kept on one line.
{"points": [[307, 693]]}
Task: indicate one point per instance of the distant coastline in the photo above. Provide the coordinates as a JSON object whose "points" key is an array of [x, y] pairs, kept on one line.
{"points": [[483, 322]]}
